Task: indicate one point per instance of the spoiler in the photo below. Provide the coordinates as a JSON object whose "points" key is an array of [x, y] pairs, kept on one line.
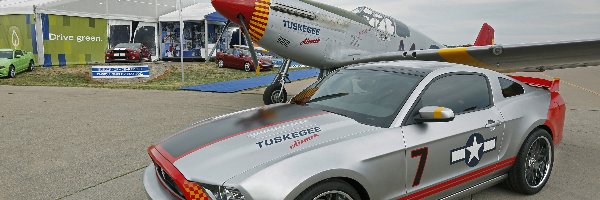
{"points": [[552, 85]]}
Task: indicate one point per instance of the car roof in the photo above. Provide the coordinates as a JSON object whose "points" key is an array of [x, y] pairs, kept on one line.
{"points": [[6, 50], [422, 68]]}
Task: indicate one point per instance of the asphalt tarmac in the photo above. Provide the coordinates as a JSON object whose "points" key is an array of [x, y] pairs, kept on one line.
{"points": [[83, 143]]}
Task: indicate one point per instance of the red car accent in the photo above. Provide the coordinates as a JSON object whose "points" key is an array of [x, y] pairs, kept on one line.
{"points": [[557, 109], [460, 180], [190, 190]]}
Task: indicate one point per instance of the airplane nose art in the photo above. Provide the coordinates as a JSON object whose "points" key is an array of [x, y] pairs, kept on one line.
{"points": [[255, 12]]}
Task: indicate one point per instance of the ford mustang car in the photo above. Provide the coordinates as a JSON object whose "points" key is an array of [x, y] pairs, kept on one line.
{"points": [[15, 61], [239, 58], [128, 52], [388, 130]]}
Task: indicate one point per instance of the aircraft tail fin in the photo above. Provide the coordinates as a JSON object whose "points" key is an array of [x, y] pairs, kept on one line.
{"points": [[486, 36]]}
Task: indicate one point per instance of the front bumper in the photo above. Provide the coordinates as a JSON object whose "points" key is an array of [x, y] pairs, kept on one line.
{"points": [[153, 186]]}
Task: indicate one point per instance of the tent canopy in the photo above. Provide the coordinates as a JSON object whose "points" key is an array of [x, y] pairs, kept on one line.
{"points": [[196, 12], [136, 10], [216, 17]]}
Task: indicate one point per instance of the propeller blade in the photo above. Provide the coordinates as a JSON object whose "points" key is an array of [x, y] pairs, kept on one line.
{"points": [[250, 44], [219, 38]]}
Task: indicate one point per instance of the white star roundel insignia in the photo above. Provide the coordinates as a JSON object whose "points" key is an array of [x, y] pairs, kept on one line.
{"points": [[473, 150]]}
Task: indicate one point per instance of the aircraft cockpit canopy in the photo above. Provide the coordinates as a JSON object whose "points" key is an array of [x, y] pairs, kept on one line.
{"points": [[383, 22]]}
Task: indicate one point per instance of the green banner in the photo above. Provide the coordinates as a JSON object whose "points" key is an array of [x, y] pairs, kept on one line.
{"points": [[18, 32], [73, 40]]}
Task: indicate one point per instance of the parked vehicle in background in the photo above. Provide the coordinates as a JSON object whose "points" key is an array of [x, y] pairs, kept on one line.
{"points": [[15, 61], [128, 52], [240, 58]]}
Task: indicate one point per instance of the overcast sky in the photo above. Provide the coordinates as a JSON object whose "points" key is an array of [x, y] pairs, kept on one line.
{"points": [[454, 22]]}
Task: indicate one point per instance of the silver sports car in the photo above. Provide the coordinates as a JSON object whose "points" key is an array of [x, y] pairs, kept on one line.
{"points": [[388, 130]]}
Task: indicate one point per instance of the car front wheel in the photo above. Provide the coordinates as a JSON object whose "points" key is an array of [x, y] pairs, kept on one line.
{"points": [[534, 162], [11, 72], [220, 64], [331, 189]]}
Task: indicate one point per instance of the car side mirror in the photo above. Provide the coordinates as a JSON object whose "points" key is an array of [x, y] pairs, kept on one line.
{"points": [[435, 114]]}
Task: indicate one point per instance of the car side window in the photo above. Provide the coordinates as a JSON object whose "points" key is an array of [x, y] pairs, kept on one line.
{"points": [[462, 93], [18, 53], [510, 88]]}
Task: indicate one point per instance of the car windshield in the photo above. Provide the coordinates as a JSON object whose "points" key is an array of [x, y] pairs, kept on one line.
{"points": [[6, 54], [129, 45], [371, 97]]}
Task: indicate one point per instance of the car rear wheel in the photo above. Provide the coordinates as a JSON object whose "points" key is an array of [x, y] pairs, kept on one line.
{"points": [[220, 64], [31, 66], [534, 163], [247, 67], [11, 72], [332, 189]]}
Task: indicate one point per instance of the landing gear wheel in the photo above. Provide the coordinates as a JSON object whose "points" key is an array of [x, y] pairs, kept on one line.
{"points": [[332, 189], [31, 66], [533, 166], [247, 67], [220, 63], [11, 72], [274, 94]]}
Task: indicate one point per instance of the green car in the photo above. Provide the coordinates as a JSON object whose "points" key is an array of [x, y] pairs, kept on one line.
{"points": [[15, 61]]}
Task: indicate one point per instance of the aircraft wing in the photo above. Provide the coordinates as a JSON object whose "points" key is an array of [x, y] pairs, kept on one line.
{"points": [[507, 58]]}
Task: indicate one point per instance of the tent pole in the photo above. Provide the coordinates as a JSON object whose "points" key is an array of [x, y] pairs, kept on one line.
{"points": [[181, 41], [206, 39]]}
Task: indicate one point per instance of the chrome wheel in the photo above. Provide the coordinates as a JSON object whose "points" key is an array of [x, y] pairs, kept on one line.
{"points": [[220, 64], [538, 161], [333, 195], [31, 67], [247, 67]]}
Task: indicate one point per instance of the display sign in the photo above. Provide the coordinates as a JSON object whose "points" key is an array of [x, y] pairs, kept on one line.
{"points": [[120, 72], [73, 40], [18, 32]]}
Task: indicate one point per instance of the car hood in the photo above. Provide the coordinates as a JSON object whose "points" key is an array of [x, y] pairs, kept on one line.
{"points": [[216, 150], [5, 61]]}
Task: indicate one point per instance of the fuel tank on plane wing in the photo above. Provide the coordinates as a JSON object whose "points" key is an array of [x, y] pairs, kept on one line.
{"points": [[218, 149], [320, 35]]}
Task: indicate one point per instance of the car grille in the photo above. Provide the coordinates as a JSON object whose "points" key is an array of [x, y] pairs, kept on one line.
{"points": [[120, 54], [168, 181]]}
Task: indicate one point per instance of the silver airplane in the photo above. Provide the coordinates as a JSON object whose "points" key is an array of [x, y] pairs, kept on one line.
{"points": [[327, 37]]}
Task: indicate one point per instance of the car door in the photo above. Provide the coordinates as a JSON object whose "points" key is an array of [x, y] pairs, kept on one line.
{"points": [[442, 157], [20, 62]]}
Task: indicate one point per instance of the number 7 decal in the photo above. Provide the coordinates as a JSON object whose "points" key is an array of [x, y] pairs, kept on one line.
{"points": [[422, 153]]}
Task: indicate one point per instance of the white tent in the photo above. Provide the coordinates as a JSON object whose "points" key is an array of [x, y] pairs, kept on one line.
{"points": [[123, 16], [136, 10], [13, 7], [194, 12]]}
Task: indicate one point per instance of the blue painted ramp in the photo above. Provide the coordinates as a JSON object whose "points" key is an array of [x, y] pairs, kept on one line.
{"points": [[249, 83]]}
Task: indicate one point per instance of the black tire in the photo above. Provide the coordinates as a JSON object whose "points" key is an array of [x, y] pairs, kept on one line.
{"points": [[271, 94], [247, 67], [11, 72], [520, 177], [31, 66], [333, 187]]}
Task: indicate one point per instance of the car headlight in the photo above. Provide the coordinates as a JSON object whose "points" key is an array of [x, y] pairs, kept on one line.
{"points": [[230, 193]]}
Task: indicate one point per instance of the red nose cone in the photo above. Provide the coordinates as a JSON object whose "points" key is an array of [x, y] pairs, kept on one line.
{"points": [[231, 9]]}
